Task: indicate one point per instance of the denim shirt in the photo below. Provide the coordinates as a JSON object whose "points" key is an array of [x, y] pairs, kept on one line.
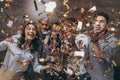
{"points": [[15, 56], [102, 69]]}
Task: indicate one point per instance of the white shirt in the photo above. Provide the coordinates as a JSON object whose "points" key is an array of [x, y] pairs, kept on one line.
{"points": [[15, 54]]}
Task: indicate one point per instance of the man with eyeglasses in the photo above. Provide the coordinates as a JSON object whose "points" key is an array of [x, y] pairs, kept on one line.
{"points": [[44, 27], [102, 49]]}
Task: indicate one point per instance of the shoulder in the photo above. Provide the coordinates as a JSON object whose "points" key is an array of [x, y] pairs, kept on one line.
{"points": [[110, 37]]}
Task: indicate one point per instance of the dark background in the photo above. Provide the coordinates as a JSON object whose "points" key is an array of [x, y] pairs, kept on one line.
{"points": [[19, 8]]}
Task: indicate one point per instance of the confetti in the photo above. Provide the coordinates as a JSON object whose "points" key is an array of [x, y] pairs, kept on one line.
{"points": [[2, 31], [66, 14], [67, 7], [1, 10], [79, 26], [112, 29], [35, 4], [93, 9], [10, 23]]}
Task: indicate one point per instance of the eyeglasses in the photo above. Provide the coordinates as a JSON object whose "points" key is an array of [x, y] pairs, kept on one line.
{"points": [[42, 24]]}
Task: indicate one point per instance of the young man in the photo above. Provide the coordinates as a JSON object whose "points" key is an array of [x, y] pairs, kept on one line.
{"points": [[102, 49]]}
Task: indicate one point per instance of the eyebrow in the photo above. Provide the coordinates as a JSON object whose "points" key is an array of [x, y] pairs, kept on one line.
{"points": [[44, 23], [29, 27], [99, 20]]}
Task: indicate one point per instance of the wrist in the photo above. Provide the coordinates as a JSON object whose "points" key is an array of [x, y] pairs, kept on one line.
{"points": [[94, 41]]}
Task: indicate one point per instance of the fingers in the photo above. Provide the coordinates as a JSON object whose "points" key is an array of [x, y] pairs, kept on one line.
{"points": [[94, 37], [9, 39], [44, 67]]}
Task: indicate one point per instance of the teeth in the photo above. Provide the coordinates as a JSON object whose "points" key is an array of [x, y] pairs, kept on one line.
{"points": [[30, 34]]}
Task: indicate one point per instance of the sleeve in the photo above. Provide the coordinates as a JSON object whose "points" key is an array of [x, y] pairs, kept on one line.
{"points": [[36, 65], [16, 37], [40, 49], [110, 50], [3, 45]]}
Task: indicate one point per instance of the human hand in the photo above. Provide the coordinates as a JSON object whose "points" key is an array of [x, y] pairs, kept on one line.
{"points": [[96, 36], [44, 67], [9, 39]]}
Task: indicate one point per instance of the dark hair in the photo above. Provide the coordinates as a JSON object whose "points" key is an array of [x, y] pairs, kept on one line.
{"points": [[35, 42], [102, 14], [72, 19]]}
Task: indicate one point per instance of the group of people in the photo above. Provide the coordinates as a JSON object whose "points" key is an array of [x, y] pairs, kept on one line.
{"points": [[45, 51]]}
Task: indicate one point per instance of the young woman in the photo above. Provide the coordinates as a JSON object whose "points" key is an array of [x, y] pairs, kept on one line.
{"points": [[20, 54]]}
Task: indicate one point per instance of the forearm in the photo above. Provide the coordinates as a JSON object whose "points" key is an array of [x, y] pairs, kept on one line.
{"points": [[108, 53], [37, 67], [97, 50]]}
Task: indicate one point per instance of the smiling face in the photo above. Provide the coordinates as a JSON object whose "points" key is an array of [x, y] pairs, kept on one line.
{"points": [[43, 25], [100, 24], [30, 32]]}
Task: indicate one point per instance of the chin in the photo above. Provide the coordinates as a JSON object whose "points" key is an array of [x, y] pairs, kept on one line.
{"points": [[97, 31], [30, 39]]}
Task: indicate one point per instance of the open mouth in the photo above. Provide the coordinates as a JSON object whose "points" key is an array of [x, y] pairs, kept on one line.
{"points": [[30, 35]]}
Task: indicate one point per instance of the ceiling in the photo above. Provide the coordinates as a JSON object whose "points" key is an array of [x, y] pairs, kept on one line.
{"points": [[19, 8]]}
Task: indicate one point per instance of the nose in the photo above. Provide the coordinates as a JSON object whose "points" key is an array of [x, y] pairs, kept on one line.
{"points": [[44, 26]]}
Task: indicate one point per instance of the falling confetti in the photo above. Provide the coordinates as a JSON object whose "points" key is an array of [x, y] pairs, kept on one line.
{"points": [[10, 23], [35, 4], [1, 10], [67, 6], [50, 6], [107, 71], [93, 9], [2, 31], [66, 14]]}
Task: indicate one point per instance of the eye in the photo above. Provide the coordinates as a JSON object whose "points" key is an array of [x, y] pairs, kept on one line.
{"points": [[102, 21], [34, 29], [43, 24], [28, 28]]}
